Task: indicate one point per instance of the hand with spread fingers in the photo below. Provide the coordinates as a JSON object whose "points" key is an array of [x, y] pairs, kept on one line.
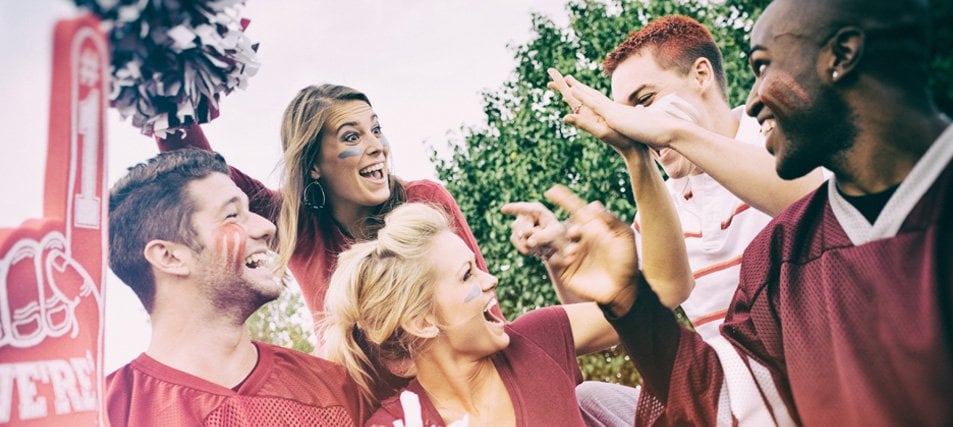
{"points": [[600, 259], [654, 126], [586, 119], [537, 231]]}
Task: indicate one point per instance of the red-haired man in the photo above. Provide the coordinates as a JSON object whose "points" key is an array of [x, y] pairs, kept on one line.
{"points": [[843, 311], [721, 180]]}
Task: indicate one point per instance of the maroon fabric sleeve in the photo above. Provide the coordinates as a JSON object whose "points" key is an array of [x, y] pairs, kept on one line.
{"points": [[550, 329], [429, 191], [261, 200]]}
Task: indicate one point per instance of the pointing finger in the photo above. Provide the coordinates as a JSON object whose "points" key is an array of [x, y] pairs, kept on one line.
{"points": [[565, 198]]}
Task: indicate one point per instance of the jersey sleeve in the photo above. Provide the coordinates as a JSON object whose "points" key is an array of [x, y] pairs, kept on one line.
{"points": [[261, 200], [683, 377], [550, 330]]}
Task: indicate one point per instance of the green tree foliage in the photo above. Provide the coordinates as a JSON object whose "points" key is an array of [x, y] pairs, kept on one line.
{"points": [[524, 148], [285, 322]]}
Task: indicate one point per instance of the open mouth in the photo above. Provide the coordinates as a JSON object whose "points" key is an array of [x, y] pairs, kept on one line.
{"points": [[488, 314], [375, 171], [260, 259]]}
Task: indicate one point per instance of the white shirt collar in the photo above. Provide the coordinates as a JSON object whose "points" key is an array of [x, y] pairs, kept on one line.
{"points": [[895, 212]]}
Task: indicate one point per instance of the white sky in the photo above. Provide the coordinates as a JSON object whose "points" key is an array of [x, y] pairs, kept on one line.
{"points": [[423, 64]]}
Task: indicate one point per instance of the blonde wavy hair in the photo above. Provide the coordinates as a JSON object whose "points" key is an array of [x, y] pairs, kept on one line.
{"points": [[378, 288], [302, 128]]}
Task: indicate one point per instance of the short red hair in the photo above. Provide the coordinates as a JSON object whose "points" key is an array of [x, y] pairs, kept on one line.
{"points": [[675, 42]]}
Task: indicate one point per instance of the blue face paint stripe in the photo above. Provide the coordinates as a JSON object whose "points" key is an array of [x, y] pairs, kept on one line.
{"points": [[474, 292], [350, 152]]}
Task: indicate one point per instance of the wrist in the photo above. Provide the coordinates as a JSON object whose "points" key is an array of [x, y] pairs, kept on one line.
{"points": [[622, 301], [681, 134]]}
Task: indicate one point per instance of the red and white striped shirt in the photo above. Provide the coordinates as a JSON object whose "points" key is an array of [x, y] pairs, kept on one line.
{"points": [[718, 226]]}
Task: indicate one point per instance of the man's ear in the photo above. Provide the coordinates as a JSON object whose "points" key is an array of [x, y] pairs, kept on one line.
{"points": [[703, 75], [167, 257], [423, 327], [845, 50]]}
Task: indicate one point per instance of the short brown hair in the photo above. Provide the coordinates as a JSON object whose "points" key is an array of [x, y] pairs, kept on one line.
{"points": [[675, 42], [151, 202]]}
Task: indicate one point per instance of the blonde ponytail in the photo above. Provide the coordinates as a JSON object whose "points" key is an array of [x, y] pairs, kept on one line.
{"points": [[378, 288]]}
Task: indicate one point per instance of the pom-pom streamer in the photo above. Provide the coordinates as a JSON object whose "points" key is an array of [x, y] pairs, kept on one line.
{"points": [[173, 60]]}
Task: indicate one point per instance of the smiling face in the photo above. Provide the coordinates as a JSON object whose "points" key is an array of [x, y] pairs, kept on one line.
{"points": [[640, 80], [807, 123], [353, 160], [234, 264], [463, 297]]}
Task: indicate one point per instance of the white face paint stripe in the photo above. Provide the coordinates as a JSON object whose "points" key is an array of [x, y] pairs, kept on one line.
{"points": [[474, 292], [350, 152]]}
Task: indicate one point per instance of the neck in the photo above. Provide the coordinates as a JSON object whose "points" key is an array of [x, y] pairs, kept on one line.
{"points": [[192, 338], [889, 143], [352, 218], [458, 386], [724, 121]]}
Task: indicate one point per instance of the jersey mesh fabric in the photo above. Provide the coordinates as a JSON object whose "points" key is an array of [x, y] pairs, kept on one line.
{"points": [[718, 226], [835, 333], [286, 387], [275, 412]]}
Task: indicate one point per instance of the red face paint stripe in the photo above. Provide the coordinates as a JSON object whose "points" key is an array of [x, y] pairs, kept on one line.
{"points": [[230, 240]]}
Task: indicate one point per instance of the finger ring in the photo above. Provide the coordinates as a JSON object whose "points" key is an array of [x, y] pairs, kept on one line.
{"points": [[575, 110]]}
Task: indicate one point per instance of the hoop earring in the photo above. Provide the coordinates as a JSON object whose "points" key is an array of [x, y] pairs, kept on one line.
{"points": [[308, 203]]}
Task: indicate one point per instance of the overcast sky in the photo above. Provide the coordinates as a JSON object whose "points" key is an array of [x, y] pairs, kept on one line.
{"points": [[423, 63]]}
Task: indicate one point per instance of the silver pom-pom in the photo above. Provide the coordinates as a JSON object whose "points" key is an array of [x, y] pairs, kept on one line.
{"points": [[172, 60]]}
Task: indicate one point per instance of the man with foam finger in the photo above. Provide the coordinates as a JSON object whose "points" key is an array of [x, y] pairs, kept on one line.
{"points": [[182, 237]]}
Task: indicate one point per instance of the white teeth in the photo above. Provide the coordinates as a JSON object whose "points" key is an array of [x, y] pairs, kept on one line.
{"points": [[259, 259], [767, 127], [372, 168], [490, 304], [489, 315]]}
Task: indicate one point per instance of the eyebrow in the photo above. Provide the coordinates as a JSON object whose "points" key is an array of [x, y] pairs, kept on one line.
{"points": [[234, 199], [354, 123], [754, 49]]}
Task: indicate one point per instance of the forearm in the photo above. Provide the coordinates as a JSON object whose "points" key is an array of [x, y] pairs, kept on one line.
{"points": [[679, 370], [591, 332], [186, 137], [664, 259], [748, 171]]}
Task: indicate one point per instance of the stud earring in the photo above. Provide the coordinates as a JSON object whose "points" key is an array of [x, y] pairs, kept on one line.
{"points": [[834, 75]]}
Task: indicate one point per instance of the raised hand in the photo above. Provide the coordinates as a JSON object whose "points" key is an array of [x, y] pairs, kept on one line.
{"points": [[585, 118], [600, 260], [537, 231], [652, 126]]}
